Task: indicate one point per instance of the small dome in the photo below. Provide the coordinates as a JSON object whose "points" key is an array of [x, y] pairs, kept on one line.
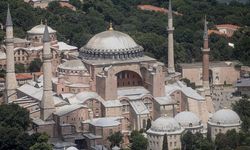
{"points": [[165, 124], [71, 148], [187, 118], [225, 117], [39, 29], [111, 45], [73, 65]]}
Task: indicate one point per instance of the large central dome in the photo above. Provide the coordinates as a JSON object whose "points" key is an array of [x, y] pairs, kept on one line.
{"points": [[111, 45]]}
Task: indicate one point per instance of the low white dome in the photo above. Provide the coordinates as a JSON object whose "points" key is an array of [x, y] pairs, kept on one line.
{"points": [[225, 117], [165, 124], [187, 118], [71, 148], [73, 65], [39, 29]]}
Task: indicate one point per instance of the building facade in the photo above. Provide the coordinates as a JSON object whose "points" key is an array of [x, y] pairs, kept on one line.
{"points": [[222, 121], [169, 127], [218, 72], [29, 49]]}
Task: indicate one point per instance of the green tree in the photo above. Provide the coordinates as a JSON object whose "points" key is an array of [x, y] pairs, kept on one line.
{"points": [[196, 141], [242, 108], [139, 142], [35, 65], [19, 68], [14, 121], [14, 116], [133, 134], [42, 143], [165, 142], [115, 139]]}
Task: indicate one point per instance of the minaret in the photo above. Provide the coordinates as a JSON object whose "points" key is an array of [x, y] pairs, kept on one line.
{"points": [[205, 59], [170, 40], [10, 81], [47, 104]]}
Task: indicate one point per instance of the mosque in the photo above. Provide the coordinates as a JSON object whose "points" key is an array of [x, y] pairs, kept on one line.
{"points": [[30, 48], [112, 86]]}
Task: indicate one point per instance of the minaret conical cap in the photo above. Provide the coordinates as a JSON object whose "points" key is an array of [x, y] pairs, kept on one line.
{"points": [[170, 10], [46, 37], [8, 18]]}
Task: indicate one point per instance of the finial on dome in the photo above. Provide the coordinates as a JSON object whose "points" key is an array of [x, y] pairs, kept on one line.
{"points": [[41, 21], [110, 26], [46, 22]]}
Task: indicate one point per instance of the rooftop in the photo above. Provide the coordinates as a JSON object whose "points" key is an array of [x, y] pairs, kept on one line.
{"points": [[188, 91], [63, 110], [211, 64], [228, 26], [104, 122], [39, 29]]}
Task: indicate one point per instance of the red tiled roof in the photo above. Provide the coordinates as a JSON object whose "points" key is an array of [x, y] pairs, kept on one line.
{"points": [[23, 76], [152, 8], [67, 5], [156, 9], [215, 32], [230, 26]]}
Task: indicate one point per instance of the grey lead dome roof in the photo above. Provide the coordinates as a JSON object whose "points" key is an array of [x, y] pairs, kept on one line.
{"points": [[39, 29], [186, 118], [111, 44], [108, 40], [225, 117], [165, 124]]}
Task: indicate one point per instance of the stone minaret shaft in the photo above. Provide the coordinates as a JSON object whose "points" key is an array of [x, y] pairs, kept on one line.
{"points": [[47, 104], [205, 59], [170, 40], [10, 81]]}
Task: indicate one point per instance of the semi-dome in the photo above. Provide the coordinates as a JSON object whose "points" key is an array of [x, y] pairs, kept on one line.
{"points": [[111, 44], [39, 29], [225, 117], [187, 119], [73, 65], [165, 124]]}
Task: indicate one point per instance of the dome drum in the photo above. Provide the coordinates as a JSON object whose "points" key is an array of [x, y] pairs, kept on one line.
{"points": [[112, 54]]}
